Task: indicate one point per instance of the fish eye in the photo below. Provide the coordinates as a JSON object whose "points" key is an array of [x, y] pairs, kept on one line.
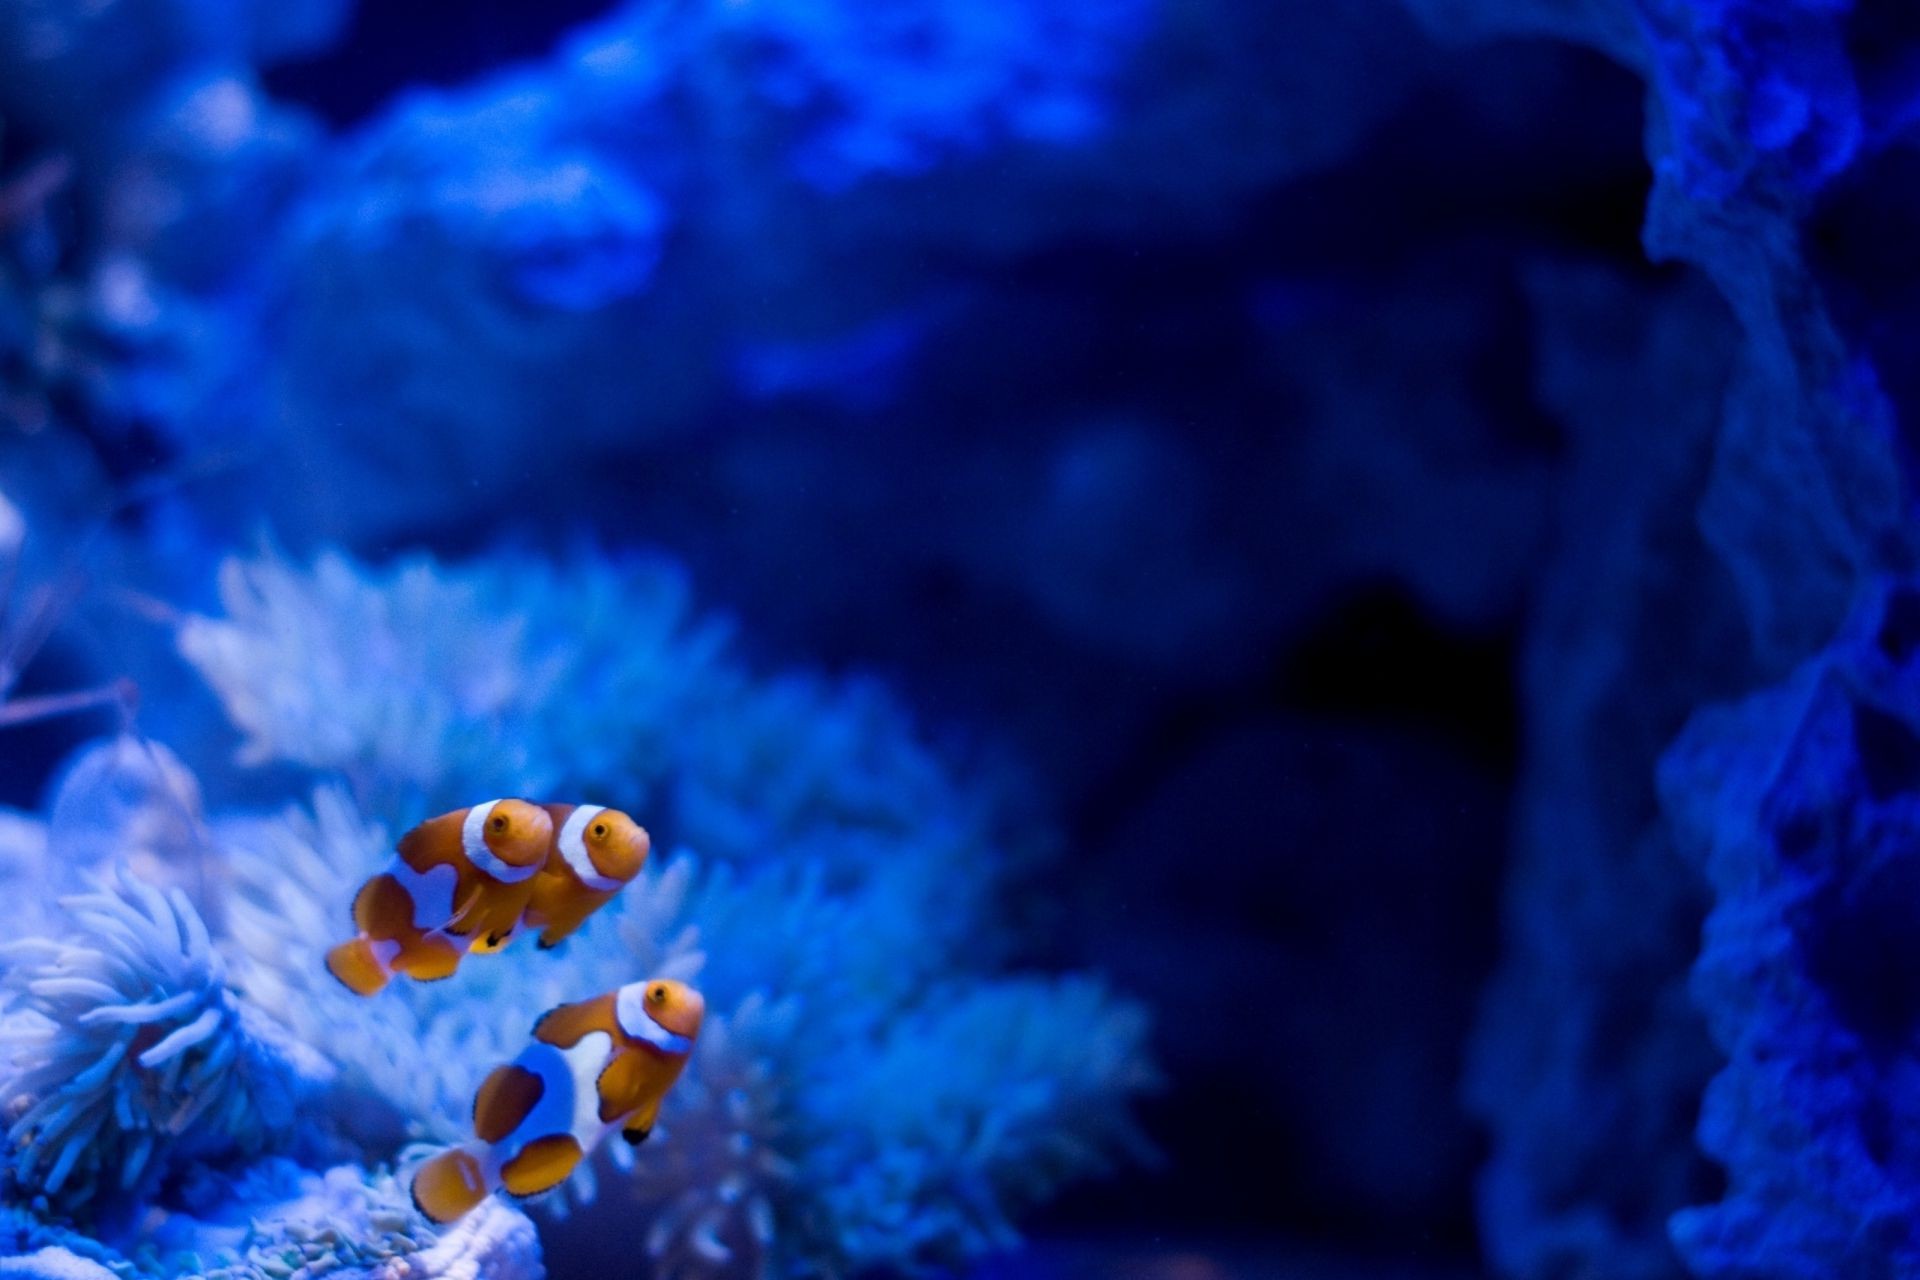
{"points": [[657, 994], [599, 831], [499, 822]]}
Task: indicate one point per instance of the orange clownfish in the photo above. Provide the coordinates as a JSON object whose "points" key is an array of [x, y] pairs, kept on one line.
{"points": [[593, 1067], [463, 874], [595, 852]]}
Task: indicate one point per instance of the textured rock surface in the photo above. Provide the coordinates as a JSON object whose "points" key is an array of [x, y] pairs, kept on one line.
{"points": [[1753, 111], [53, 1264], [1589, 1060], [1802, 804]]}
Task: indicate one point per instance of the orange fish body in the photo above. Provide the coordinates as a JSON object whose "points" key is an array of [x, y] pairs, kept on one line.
{"points": [[594, 1067], [466, 874], [596, 851]]}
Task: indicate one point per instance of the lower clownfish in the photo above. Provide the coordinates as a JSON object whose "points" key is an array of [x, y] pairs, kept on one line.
{"points": [[594, 1067], [463, 874]]}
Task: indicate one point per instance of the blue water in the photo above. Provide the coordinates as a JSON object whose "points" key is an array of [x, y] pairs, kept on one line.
{"points": [[1254, 639]]}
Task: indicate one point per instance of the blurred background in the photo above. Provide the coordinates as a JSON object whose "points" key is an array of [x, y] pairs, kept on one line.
{"points": [[1280, 442]]}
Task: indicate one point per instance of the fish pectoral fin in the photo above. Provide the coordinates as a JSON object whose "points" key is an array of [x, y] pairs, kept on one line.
{"points": [[638, 1127], [463, 910], [620, 1083]]}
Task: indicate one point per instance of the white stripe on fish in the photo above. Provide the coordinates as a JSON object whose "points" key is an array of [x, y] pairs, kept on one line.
{"points": [[573, 847], [630, 1008], [473, 842]]}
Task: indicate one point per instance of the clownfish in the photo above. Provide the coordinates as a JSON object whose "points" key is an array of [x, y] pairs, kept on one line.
{"points": [[593, 1067], [596, 851], [461, 874]]}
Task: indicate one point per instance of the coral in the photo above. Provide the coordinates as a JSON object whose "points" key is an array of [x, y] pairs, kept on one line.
{"points": [[444, 685], [125, 1051], [839, 916], [53, 1264], [973, 1106], [1800, 804], [344, 1223], [496, 1242], [275, 1218], [24, 1233], [655, 283]]}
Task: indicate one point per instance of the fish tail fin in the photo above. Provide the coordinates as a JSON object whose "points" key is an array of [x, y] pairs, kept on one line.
{"points": [[358, 966], [450, 1185]]}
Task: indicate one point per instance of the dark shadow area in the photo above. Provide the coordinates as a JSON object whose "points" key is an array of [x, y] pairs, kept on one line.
{"points": [[395, 48]]}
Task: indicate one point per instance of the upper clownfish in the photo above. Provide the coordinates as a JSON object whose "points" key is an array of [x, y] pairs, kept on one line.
{"points": [[595, 852], [594, 1067], [467, 881]]}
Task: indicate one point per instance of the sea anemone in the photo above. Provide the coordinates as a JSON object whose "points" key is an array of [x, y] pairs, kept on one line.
{"points": [[123, 1049]]}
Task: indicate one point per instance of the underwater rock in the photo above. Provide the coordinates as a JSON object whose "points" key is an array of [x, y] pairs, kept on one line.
{"points": [[141, 167], [1606, 25], [1802, 806], [24, 1234], [1371, 466], [1751, 88], [1350, 1082], [208, 166], [82, 342], [53, 1263], [75, 70], [894, 88], [1752, 107], [1588, 1061], [495, 266], [1113, 543], [687, 208]]}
